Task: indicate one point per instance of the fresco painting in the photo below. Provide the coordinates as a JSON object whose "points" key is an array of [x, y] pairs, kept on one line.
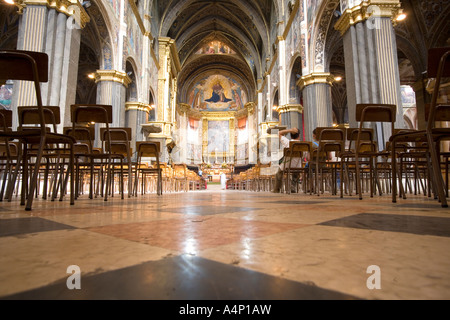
{"points": [[217, 93]]}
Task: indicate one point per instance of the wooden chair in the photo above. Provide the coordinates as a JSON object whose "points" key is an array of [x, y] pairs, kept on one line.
{"points": [[56, 155], [9, 154], [152, 150], [330, 139], [366, 113], [121, 150], [88, 114], [348, 156], [33, 66], [296, 150], [433, 135]]}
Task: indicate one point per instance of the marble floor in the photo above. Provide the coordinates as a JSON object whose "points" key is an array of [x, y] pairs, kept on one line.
{"points": [[226, 245]]}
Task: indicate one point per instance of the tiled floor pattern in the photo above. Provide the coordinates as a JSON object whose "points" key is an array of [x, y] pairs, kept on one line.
{"points": [[226, 245]]}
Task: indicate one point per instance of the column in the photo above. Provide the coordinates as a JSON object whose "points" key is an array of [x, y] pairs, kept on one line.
{"points": [[371, 63], [183, 110], [317, 106], [252, 130], [53, 28], [291, 116], [136, 115], [111, 90]]}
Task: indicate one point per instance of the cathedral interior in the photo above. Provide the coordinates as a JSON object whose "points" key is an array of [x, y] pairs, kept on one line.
{"points": [[212, 85]]}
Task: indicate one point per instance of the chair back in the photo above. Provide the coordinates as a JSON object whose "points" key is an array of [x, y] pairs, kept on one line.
{"points": [[89, 113], [148, 149], [117, 134], [28, 66], [83, 135], [331, 139], [31, 115], [5, 119], [371, 112]]}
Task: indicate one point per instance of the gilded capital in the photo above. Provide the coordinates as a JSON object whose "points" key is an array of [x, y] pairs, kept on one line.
{"points": [[367, 9], [315, 77], [134, 105], [184, 108], [71, 8], [290, 108], [250, 106], [112, 75]]}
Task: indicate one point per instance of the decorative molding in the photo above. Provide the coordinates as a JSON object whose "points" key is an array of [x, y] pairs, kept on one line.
{"points": [[290, 108], [250, 106], [112, 75], [314, 78], [64, 6], [217, 115], [140, 106], [183, 108], [362, 12]]}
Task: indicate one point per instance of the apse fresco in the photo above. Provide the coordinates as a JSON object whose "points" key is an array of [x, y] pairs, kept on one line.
{"points": [[217, 93]]}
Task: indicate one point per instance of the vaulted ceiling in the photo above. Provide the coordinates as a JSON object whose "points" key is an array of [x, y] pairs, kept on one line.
{"points": [[242, 25]]}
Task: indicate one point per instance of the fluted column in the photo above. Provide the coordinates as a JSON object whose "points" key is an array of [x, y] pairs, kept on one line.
{"points": [[53, 28], [136, 114], [291, 115], [371, 62], [317, 108], [111, 90]]}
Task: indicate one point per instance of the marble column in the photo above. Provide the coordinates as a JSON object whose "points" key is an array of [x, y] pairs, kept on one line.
{"points": [[111, 90], [183, 110], [371, 63], [136, 114], [291, 116], [317, 108], [53, 28], [252, 129]]}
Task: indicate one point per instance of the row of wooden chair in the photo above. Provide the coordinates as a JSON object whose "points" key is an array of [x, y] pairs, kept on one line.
{"points": [[65, 163]]}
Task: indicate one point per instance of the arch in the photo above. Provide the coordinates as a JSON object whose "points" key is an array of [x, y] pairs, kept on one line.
{"points": [[295, 75], [321, 29], [132, 91]]}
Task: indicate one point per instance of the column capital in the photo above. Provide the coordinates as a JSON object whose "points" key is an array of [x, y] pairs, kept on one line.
{"points": [[364, 10], [290, 108], [315, 77], [112, 75], [250, 106], [183, 108], [68, 7], [134, 105]]}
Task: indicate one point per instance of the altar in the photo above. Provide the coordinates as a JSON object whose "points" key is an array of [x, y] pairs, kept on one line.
{"points": [[212, 172]]}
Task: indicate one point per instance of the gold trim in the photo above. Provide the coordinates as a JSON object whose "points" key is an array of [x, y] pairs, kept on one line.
{"points": [[216, 115], [140, 106], [64, 6], [112, 75], [315, 77], [290, 108], [183, 108], [361, 12], [250, 106]]}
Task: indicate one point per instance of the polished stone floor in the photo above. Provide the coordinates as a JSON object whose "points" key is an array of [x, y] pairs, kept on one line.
{"points": [[226, 245]]}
